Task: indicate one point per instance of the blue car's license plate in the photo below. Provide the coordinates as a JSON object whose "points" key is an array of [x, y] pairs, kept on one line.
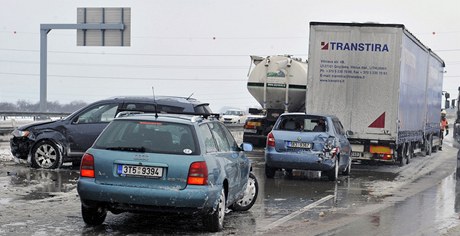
{"points": [[293, 144], [146, 171]]}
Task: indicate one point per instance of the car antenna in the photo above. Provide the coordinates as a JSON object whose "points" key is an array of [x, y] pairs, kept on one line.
{"points": [[155, 102], [189, 96]]}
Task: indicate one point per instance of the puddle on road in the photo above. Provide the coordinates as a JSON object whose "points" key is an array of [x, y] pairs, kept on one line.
{"points": [[431, 212], [33, 184], [372, 176]]}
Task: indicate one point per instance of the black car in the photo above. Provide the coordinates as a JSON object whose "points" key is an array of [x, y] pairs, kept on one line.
{"points": [[49, 144]]}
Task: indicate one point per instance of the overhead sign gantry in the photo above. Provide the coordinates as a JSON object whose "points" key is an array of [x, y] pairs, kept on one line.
{"points": [[95, 27]]}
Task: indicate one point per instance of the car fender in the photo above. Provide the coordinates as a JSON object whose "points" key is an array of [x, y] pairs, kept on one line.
{"points": [[53, 136]]}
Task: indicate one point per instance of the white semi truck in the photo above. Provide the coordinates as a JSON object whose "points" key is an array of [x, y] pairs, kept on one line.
{"points": [[383, 84], [278, 83]]}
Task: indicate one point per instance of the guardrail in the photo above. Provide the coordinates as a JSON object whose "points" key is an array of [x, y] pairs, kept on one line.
{"points": [[4, 115], [9, 120], [12, 119]]}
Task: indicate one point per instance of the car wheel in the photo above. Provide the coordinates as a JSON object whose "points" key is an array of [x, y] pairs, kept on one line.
{"points": [[333, 174], [215, 221], [347, 171], [46, 155], [250, 195], [270, 172], [93, 215]]}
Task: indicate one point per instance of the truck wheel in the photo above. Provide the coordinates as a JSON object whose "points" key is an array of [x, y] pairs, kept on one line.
{"points": [[429, 145], [402, 155], [434, 149], [270, 172], [46, 155], [410, 152]]}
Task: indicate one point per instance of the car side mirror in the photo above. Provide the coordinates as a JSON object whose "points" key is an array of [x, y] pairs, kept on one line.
{"points": [[349, 133], [76, 120], [247, 147]]}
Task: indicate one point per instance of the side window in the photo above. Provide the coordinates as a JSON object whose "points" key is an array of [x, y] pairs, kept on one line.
{"points": [[230, 138], [209, 142], [220, 137], [144, 107], [338, 127], [98, 114]]}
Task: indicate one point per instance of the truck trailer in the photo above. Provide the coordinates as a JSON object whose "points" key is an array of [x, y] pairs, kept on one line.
{"points": [[278, 83], [381, 82]]}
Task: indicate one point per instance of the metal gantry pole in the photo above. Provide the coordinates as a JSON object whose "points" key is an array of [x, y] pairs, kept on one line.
{"points": [[44, 30], [43, 68]]}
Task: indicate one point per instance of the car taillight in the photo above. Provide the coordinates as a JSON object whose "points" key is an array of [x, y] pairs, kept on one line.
{"points": [[270, 140], [87, 166], [198, 173], [334, 151]]}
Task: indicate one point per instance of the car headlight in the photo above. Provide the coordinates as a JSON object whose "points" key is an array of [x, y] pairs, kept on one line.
{"points": [[19, 133]]}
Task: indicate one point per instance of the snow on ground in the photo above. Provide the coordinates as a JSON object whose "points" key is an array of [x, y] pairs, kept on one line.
{"points": [[5, 154]]}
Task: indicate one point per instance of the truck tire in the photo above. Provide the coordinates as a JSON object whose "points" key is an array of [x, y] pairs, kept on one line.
{"points": [[434, 149], [410, 152], [402, 155], [429, 145]]}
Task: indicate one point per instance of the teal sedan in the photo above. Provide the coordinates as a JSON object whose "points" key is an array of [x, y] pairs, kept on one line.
{"points": [[166, 164]]}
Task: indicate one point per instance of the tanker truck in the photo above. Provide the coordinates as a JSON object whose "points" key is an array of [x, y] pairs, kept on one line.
{"points": [[278, 83], [382, 83]]}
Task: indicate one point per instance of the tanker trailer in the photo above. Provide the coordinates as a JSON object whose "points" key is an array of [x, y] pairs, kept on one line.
{"points": [[278, 83]]}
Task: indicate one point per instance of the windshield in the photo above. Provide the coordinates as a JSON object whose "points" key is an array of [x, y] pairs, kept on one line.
{"points": [[235, 113], [148, 136]]}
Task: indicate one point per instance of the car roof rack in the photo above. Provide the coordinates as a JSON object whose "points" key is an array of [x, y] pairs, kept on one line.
{"points": [[124, 113], [128, 113]]}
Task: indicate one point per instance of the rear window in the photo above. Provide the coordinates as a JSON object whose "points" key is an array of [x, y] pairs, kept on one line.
{"points": [[302, 123], [203, 109], [148, 136]]}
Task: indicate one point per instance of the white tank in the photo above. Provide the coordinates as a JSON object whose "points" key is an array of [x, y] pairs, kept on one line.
{"points": [[279, 82]]}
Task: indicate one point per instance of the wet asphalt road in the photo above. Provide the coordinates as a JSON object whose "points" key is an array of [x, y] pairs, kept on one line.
{"points": [[44, 202]]}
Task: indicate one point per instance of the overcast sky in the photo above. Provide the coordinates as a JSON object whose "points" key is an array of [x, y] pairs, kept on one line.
{"points": [[202, 47]]}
